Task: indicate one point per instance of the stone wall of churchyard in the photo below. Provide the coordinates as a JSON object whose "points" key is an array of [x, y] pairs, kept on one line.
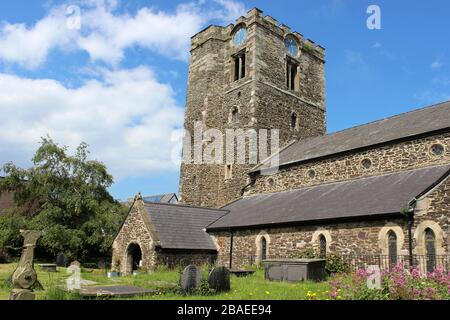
{"points": [[133, 231], [262, 98], [387, 159], [185, 258]]}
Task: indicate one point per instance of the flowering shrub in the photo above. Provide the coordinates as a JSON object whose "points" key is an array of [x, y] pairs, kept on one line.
{"points": [[396, 284]]}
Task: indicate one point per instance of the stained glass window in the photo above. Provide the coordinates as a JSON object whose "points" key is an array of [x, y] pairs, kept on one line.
{"points": [[240, 36], [291, 46]]}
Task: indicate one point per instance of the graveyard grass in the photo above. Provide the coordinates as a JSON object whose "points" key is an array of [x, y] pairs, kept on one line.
{"points": [[247, 288]]}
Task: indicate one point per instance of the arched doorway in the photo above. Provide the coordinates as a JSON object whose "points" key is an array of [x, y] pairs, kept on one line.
{"points": [[134, 257]]}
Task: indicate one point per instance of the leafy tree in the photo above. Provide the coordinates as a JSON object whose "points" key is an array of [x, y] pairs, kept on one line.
{"points": [[69, 199]]}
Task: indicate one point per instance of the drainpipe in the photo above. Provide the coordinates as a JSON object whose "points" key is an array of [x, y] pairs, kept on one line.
{"points": [[231, 249], [410, 217]]}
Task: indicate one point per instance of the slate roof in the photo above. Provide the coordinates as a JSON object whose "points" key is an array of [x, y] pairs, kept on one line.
{"points": [[371, 196], [404, 126], [183, 227]]}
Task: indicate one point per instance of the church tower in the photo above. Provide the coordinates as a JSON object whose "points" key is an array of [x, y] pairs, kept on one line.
{"points": [[254, 74]]}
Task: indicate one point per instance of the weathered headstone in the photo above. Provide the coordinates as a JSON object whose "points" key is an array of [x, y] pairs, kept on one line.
{"points": [[61, 260], [24, 277], [219, 279], [190, 278]]}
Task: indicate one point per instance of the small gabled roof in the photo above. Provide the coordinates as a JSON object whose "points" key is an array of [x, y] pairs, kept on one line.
{"points": [[183, 227], [366, 197], [404, 126]]}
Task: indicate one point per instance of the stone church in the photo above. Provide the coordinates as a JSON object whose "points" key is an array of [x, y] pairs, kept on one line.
{"points": [[379, 189]]}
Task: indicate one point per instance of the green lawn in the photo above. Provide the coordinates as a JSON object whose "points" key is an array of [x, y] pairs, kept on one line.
{"points": [[251, 288]]}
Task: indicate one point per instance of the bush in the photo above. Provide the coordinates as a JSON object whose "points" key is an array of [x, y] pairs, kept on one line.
{"points": [[336, 265], [397, 284], [4, 257]]}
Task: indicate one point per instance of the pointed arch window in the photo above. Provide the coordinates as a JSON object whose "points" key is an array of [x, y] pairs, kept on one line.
{"points": [[392, 248], [263, 248], [322, 246], [430, 247]]}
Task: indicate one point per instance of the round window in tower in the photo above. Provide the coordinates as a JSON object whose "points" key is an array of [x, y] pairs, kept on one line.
{"points": [[312, 174], [291, 45], [366, 164], [437, 150], [240, 36]]}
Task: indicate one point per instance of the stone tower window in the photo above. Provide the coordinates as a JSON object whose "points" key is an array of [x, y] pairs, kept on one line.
{"points": [[235, 116], [437, 149], [294, 120], [228, 171], [239, 66], [291, 75], [392, 248], [430, 247]]}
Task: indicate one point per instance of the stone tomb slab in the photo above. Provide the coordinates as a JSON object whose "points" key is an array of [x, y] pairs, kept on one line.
{"points": [[48, 267], [115, 291]]}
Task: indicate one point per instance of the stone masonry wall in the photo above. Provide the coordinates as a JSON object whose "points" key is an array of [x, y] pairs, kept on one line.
{"points": [[185, 258], [134, 230], [358, 238], [261, 98], [390, 158]]}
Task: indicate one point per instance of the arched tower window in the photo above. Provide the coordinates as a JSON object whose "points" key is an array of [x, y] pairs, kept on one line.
{"points": [[392, 248], [430, 249], [322, 246], [263, 248]]}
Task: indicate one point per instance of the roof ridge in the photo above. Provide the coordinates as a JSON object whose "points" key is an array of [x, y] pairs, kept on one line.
{"points": [[182, 206], [383, 119], [343, 181]]}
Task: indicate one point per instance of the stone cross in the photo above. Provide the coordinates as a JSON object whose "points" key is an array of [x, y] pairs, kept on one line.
{"points": [[219, 279], [190, 278], [24, 277]]}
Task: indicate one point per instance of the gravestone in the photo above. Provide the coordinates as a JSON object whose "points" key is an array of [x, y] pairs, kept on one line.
{"points": [[219, 279], [101, 264], [190, 278], [61, 260]]}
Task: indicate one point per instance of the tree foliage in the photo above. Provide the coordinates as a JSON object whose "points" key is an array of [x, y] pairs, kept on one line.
{"points": [[69, 199]]}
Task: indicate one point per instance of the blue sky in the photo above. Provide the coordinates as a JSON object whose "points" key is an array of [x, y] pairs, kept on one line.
{"points": [[119, 82]]}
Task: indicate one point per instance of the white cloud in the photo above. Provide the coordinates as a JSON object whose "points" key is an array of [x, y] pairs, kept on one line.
{"points": [[127, 117], [436, 64], [105, 33]]}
